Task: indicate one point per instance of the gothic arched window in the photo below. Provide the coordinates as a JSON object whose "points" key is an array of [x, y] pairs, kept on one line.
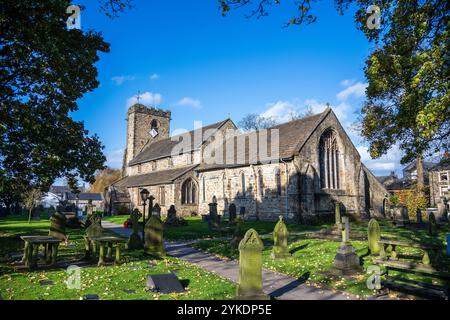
{"points": [[329, 161], [189, 192], [278, 181]]}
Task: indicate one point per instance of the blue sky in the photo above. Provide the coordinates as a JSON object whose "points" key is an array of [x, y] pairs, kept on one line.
{"points": [[185, 57]]}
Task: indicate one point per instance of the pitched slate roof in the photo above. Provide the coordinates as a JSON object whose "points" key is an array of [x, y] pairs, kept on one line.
{"points": [[154, 178], [119, 195], [163, 148], [85, 196], [292, 137]]}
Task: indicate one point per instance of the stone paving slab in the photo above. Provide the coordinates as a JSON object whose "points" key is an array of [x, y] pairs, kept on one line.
{"points": [[277, 285]]}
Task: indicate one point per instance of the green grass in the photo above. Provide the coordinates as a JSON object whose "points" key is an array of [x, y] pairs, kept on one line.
{"points": [[312, 258], [108, 282]]}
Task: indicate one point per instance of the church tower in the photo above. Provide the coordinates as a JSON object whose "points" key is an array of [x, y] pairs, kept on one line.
{"points": [[145, 125]]}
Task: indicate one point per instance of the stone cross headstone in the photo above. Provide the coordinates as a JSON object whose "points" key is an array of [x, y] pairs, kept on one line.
{"points": [[135, 242], [373, 236], [157, 210], [58, 226], [346, 260], [232, 213], [337, 213], [250, 267], [345, 230], [280, 241], [213, 222], [154, 244]]}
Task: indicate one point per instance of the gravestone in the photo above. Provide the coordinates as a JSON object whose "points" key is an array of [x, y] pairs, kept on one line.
{"points": [[441, 211], [154, 237], [157, 210], [432, 225], [250, 267], [419, 215], [135, 242], [337, 214], [280, 241], [346, 261], [213, 222], [95, 229], [232, 213], [172, 220], [373, 236], [164, 283], [242, 211], [239, 232], [401, 216], [58, 226]]}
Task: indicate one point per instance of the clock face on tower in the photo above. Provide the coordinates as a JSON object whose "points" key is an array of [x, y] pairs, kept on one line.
{"points": [[153, 132]]}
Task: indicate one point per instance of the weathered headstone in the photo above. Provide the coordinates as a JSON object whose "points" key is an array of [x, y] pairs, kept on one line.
{"points": [[337, 214], [280, 241], [373, 236], [213, 222], [157, 210], [172, 220], [346, 260], [135, 242], [232, 213], [239, 232], [58, 226], [432, 225], [419, 215], [242, 211], [250, 267], [154, 244]]}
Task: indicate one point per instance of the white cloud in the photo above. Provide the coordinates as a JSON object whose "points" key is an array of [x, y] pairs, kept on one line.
{"points": [[154, 77], [146, 98], [189, 102], [119, 80], [114, 158], [355, 90], [383, 165], [280, 111], [347, 83]]}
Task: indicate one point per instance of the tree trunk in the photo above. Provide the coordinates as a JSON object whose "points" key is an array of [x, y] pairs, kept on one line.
{"points": [[420, 174], [30, 212]]}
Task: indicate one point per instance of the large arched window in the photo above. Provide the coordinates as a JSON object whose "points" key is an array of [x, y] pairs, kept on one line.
{"points": [[278, 181], [189, 192], [329, 161]]}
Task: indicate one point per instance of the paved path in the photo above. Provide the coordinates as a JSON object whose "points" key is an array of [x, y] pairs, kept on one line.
{"points": [[277, 285]]}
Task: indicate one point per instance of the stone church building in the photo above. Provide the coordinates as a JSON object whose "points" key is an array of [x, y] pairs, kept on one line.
{"points": [[315, 165]]}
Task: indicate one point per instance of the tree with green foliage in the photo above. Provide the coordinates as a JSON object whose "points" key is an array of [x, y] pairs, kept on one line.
{"points": [[44, 69]]}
